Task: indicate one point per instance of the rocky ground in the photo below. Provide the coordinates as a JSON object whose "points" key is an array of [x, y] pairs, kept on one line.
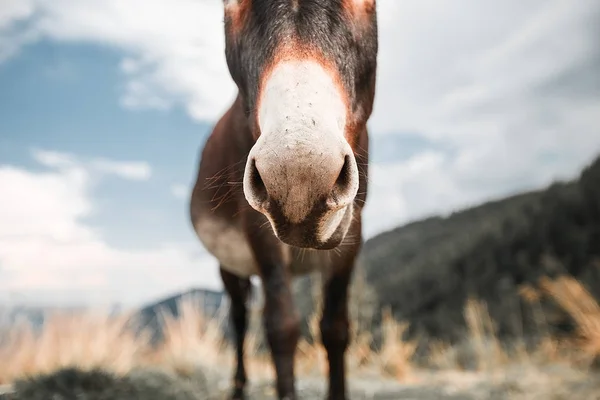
{"points": [[460, 386], [518, 382]]}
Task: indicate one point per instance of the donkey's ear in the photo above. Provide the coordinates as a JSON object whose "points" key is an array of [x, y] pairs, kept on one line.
{"points": [[360, 7], [233, 4], [363, 3], [235, 14]]}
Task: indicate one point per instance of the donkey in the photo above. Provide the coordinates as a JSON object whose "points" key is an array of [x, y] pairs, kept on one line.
{"points": [[282, 178]]}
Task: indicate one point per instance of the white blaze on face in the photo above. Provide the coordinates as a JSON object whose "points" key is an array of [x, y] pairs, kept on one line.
{"points": [[299, 95], [302, 144]]}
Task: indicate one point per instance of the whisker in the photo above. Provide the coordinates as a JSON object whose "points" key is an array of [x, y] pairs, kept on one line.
{"points": [[264, 224], [223, 199], [230, 169]]}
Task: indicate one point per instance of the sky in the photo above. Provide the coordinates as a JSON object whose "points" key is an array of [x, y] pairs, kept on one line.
{"points": [[105, 104]]}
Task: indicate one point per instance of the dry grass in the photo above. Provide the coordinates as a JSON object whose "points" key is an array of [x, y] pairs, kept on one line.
{"points": [[490, 353], [189, 340], [392, 360], [96, 339], [395, 354], [583, 308], [86, 339]]}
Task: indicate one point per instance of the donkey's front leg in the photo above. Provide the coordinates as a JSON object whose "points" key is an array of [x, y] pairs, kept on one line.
{"points": [[335, 327], [238, 290], [281, 321], [281, 326]]}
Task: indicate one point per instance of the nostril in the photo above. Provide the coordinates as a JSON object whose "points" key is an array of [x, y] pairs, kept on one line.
{"points": [[259, 190], [343, 181]]}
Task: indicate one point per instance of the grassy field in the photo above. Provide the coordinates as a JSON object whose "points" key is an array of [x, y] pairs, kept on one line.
{"points": [[94, 339]]}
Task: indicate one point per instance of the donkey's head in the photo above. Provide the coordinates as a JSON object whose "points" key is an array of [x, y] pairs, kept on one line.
{"points": [[305, 70]]}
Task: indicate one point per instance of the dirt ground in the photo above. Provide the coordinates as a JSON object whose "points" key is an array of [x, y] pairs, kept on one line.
{"points": [[520, 382]]}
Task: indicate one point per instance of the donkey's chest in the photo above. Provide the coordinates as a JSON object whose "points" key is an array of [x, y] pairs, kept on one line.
{"points": [[228, 244], [303, 261]]}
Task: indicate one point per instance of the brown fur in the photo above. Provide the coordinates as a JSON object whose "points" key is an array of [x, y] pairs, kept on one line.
{"points": [[218, 208]]}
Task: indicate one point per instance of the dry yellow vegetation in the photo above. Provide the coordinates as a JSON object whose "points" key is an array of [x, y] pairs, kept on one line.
{"points": [[96, 339]]}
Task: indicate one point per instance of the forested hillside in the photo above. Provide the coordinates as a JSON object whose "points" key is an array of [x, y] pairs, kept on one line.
{"points": [[496, 252]]}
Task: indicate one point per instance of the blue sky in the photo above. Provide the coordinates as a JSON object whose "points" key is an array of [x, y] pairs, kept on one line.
{"points": [[103, 114], [62, 98]]}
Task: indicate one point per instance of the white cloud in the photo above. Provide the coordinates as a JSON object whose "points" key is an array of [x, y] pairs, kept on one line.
{"points": [[175, 47], [408, 190], [134, 170], [504, 84], [180, 191], [432, 182], [48, 252], [13, 10]]}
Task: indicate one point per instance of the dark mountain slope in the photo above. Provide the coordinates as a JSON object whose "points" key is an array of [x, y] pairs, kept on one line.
{"points": [[426, 270]]}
